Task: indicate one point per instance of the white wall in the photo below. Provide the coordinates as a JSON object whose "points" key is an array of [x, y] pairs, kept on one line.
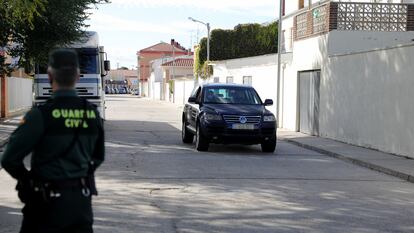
{"points": [[262, 69], [367, 100], [157, 90], [20, 94], [182, 90], [345, 42]]}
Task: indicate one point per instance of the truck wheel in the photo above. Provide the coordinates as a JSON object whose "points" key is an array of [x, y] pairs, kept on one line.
{"points": [[202, 143], [269, 146], [187, 136]]}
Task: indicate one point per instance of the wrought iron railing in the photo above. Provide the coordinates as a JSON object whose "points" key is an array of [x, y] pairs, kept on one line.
{"points": [[350, 16]]}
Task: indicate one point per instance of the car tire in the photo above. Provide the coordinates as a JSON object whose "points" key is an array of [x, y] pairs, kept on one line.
{"points": [[202, 143], [187, 136], [269, 146]]}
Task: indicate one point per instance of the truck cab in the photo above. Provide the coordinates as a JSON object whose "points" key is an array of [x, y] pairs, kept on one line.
{"points": [[93, 69]]}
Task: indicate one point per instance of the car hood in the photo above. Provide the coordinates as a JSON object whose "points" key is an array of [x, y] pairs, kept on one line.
{"points": [[233, 109]]}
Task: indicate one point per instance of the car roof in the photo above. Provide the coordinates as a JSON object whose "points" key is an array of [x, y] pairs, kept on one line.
{"points": [[224, 85]]}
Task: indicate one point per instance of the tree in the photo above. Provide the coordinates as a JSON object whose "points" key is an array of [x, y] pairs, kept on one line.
{"points": [[37, 26], [13, 13], [245, 40]]}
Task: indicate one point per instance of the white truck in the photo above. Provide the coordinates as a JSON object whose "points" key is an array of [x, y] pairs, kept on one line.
{"points": [[93, 69]]}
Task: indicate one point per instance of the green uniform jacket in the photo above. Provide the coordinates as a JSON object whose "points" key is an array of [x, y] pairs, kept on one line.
{"points": [[48, 131]]}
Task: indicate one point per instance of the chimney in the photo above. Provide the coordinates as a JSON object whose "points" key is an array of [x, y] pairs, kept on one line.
{"points": [[172, 42]]}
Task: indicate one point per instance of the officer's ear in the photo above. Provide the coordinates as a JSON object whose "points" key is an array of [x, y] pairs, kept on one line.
{"points": [[78, 75]]}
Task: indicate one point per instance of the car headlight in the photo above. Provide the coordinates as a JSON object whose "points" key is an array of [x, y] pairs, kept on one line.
{"points": [[212, 117], [269, 118]]}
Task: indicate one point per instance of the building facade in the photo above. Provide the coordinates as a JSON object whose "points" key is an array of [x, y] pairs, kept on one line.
{"points": [[122, 79], [160, 50], [345, 72], [178, 79]]}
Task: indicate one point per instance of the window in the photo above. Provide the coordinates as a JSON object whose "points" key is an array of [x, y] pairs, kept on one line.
{"points": [[216, 79], [229, 79], [231, 95], [247, 80]]}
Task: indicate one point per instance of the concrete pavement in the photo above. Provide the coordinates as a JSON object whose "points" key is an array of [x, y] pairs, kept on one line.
{"points": [[394, 165]]}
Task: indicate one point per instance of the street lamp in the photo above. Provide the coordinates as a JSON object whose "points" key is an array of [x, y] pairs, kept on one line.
{"points": [[208, 36]]}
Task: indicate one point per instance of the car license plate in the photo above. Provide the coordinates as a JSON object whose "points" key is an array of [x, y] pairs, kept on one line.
{"points": [[243, 126]]}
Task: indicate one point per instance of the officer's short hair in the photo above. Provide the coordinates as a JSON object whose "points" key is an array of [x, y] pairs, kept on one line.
{"points": [[64, 66]]}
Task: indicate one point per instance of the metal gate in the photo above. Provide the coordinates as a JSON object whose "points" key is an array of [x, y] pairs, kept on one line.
{"points": [[309, 83]]}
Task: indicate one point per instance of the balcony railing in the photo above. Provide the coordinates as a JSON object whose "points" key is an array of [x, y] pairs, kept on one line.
{"points": [[350, 16]]}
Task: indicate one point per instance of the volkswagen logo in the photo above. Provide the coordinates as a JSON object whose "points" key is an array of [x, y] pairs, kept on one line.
{"points": [[243, 120]]}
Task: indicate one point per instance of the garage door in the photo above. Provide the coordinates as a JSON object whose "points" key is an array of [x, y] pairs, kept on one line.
{"points": [[309, 83]]}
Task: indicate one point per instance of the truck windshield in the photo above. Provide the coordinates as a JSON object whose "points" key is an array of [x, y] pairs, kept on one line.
{"points": [[231, 95], [88, 62]]}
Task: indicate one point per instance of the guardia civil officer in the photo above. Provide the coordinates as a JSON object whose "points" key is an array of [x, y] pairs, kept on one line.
{"points": [[66, 138]]}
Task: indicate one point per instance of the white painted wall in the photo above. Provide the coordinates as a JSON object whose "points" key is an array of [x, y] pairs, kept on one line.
{"points": [[262, 69], [345, 42], [182, 90], [157, 90], [367, 100], [20, 94]]}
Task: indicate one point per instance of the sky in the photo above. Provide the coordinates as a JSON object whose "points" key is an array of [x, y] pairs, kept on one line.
{"points": [[127, 26]]}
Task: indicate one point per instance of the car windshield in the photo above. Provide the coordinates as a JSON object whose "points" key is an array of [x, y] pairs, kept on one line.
{"points": [[231, 95]]}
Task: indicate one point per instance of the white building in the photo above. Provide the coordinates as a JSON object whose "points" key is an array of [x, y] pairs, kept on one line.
{"points": [[178, 79], [156, 83], [346, 72]]}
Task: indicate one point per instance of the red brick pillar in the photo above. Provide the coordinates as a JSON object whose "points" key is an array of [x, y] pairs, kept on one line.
{"points": [[4, 97]]}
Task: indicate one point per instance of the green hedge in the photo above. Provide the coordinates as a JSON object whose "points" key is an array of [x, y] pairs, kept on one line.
{"points": [[245, 40]]}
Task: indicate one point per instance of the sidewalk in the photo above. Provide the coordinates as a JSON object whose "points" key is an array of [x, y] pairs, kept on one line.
{"points": [[393, 165]]}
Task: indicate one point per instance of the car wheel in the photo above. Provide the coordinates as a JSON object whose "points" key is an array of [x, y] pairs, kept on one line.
{"points": [[187, 136], [201, 142], [270, 145]]}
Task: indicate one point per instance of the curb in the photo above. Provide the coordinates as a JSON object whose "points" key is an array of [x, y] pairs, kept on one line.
{"points": [[361, 163]]}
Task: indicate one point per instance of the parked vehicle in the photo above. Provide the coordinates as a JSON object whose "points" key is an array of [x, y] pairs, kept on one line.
{"points": [[228, 114], [116, 91], [135, 92]]}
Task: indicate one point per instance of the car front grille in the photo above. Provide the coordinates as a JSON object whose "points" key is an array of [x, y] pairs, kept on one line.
{"points": [[236, 119]]}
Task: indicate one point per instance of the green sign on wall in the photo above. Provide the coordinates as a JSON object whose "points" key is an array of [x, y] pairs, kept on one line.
{"points": [[316, 13]]}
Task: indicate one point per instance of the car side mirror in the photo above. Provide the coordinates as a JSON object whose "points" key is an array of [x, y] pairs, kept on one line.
{"points": [[107, 65], [268, 102], [192, 100]]}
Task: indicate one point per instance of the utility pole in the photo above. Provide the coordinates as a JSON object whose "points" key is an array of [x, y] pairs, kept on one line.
{"points": [[208, 43], [173, 71], [208, 35], [279, 58]]}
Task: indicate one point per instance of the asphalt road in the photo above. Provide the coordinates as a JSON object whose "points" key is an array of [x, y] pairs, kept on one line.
{"points": [[151, 182]]}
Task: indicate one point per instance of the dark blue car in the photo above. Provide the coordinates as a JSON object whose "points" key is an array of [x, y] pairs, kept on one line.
{"points": [[228, 114]]}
